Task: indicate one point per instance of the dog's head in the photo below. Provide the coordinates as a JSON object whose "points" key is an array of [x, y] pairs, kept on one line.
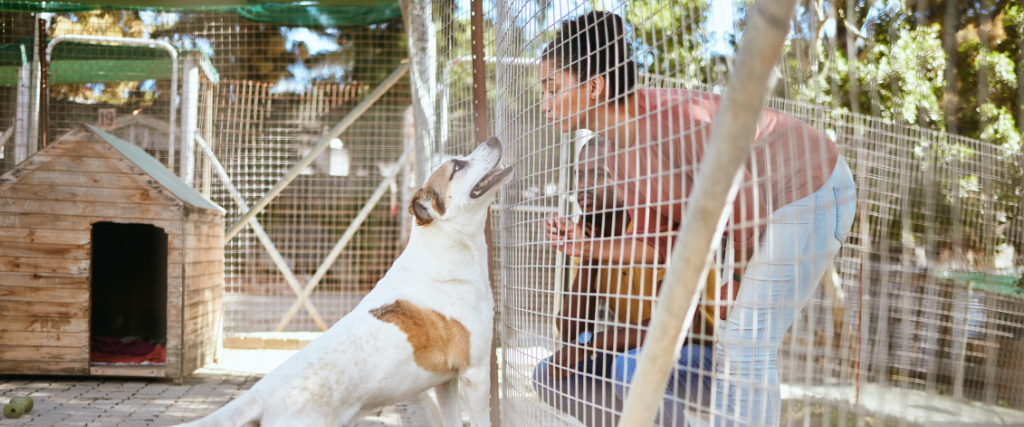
{"points": [[461, 186]]}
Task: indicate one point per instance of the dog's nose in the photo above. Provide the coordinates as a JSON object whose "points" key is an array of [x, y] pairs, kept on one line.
{"points": [[494, 143]]}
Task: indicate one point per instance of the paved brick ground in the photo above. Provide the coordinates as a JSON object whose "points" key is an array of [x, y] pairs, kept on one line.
{"points": [[87, 401]]}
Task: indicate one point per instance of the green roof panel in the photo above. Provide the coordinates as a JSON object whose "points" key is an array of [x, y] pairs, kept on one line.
{"points": [[322, 13], [79, 63], [155, 169]]}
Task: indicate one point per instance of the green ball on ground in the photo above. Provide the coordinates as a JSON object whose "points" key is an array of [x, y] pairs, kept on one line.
{"points": [[25, 401], [14, 410]]}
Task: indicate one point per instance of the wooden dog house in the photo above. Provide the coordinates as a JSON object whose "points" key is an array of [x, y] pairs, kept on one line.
{"points": [[97, 238]]}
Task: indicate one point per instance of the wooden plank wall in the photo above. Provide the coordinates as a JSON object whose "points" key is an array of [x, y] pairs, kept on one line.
{"points": [[47, 207], [204, 285], [175, 279]]}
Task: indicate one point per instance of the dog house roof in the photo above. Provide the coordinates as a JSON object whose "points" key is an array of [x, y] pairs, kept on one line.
{"points": [[153, 168]]}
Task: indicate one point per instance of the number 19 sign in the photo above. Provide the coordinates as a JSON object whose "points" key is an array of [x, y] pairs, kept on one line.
{"points": [[107, 118]]}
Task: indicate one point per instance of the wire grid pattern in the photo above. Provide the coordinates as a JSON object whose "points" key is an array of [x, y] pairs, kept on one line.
{"points": [[259, 136], [260, 128], [14, 146], [281, 88], [919, 315]]}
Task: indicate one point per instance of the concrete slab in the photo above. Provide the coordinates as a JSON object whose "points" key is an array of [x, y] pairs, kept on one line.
{"points": [[913, 406], [123, 402]]}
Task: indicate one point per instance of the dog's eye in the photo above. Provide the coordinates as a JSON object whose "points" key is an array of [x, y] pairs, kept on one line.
{"points": [[457, 165]]}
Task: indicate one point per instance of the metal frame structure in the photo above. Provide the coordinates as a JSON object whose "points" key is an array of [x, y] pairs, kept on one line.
{"points": [[302, 292], [318, 148], [136, 42]]}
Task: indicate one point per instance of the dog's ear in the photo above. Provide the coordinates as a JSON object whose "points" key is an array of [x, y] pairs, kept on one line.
{"points": [[420, 206]]}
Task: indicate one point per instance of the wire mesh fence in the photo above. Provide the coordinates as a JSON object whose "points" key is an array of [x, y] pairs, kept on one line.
{"points": [[269, 82], [259, 137], [915, 320]]}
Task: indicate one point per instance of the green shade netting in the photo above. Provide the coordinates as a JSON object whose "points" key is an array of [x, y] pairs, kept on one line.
{"points": [[320, 16], [79, 63], [1000, 284], [329, 13]]}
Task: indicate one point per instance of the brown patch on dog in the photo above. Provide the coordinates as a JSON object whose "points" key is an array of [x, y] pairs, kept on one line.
{"points": [[418, 208], [433, 191], [439, 343]]}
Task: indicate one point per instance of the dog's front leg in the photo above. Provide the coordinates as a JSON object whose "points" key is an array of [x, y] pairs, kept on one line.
{"points": [[477, 383], [448, 401]]}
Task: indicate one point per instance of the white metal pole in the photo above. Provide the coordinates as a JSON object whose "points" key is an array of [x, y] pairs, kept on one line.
{"points": [[135, 42], [190, 118], [423, 76], [317, 149], [34, 95], [208, 131], [22, 116], [4, 137], [410, 171], [715, 186], [345, 238]]}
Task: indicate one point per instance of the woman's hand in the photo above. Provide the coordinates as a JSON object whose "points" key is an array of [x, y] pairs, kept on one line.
{"points": [[563, 363], [567, 236]]}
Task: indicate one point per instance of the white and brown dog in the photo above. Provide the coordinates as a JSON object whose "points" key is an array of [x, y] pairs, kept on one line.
{"points": [[426, 324]]}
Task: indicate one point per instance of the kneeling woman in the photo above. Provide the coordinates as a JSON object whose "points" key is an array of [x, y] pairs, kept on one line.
{"points": [[793, 211], [602, 360]]}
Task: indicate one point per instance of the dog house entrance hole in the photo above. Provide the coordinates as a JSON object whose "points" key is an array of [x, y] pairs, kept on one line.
{"points": [[129, 294]]}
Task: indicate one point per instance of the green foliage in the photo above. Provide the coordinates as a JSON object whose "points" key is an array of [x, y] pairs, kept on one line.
{"points": [[110, 23], [901, 73], [901, 65], [671, 39]]}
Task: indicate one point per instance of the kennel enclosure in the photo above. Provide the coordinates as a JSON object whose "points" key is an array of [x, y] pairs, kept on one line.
{"points": [[905, 340], [100, 239]]}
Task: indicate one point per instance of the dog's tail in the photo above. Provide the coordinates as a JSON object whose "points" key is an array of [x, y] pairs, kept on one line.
{"points": [[244, 411]]}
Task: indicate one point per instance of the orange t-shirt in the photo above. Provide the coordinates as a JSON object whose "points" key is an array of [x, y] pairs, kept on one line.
{"points": [[630, 293]]}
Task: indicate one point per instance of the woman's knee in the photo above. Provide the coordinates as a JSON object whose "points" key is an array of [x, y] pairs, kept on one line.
{"points": [[622, 371], [542, 381]]}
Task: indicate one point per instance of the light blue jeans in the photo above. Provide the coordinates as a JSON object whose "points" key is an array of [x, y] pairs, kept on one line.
{"points": [[594, 394], [799, 242], [689, 388]]}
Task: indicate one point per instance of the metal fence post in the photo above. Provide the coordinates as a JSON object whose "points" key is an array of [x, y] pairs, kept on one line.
{"points": [[481, 134]]}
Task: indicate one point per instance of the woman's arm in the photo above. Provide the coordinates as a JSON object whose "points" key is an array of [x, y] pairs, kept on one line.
{"points": [[621, 339], [572, 239]]}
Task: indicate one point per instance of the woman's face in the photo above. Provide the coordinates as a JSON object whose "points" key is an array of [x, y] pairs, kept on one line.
{"points": [[565, 98]]}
